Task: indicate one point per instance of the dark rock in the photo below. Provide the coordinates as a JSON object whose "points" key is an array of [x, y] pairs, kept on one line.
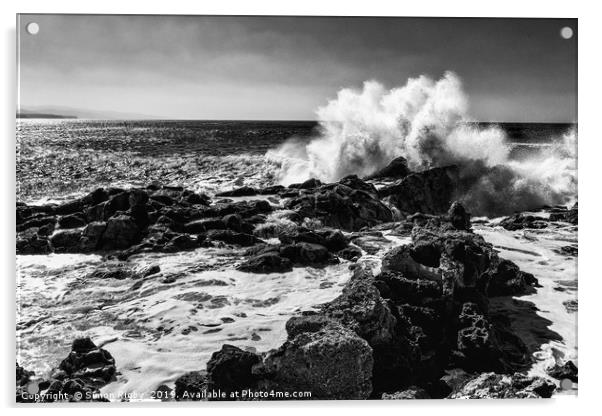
{"points": [[137, 197], [342, 207], [334, 240], [121, 232], [95, 366], [271, 190], [232, 237], [92, 235], [308, 184], [191, 386], [70, 207], [458, 216], [403, 259], [571, 305], [243, 191], [23, 375], [149, 270], [119, 202], [118, 272], [566, 371], [235, 223], [428, 192], [322, 357], [353, 182], [266, 263], [181, 242], [411, 393], [521, 221], [30, 242], [350, 253], [306, 254], [196, 199], [71, 221], [66, 241], [139, 214], [38, 221], [476, 344], [195, 227], [96, 197], [397, 168], [230, 369], [401, 289], [571, 250], [506, 279]]}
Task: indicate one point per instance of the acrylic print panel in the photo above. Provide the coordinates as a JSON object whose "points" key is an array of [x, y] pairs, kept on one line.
{"points": [[295, 208]]}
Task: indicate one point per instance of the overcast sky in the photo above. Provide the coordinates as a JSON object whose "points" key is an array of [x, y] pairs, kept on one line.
{"points": [[196, 67]]}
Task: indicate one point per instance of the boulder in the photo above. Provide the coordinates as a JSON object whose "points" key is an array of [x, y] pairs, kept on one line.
{"points": [[506, 279], [308, 184], [567, 370], [353, 182], [243, 191], [306, 254], [340, 206], [320, 356], [270, 262], [31, 242], [232, 237], [458, 217], [396, 169], [191, 386], [350, 253], [521, 221], [92, 235], [121, 232], [71, 221], [230, 369], [428, 192], [89, 363], [66, 241]]}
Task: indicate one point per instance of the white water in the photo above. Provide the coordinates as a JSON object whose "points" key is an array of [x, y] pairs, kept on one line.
{"points": [[534, 252], [428, 123], [143, 328], [56, 303]]}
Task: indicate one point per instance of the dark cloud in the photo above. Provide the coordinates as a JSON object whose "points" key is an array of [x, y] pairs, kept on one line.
{"points": [[283, 67]]}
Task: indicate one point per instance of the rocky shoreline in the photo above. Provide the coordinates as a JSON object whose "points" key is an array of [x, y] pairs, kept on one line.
{"points": [[418, 326]]}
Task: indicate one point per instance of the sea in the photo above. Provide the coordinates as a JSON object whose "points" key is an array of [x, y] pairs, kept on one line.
{"points": [[165, 327]]}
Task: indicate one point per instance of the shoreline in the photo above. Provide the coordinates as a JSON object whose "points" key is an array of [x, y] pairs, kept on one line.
{"points": [[294, 251]]}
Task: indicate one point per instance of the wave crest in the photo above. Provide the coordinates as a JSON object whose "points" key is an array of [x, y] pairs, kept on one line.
{"points": [[427, 122]]}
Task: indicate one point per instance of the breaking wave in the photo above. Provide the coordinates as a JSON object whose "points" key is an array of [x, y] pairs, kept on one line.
{"points": [[427, 122]]}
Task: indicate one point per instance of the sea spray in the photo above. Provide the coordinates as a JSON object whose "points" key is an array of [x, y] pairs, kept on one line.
{"points": [[427, 122]]}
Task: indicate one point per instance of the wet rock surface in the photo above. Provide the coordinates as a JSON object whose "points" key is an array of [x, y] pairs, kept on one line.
{"points": [[78, 377]]}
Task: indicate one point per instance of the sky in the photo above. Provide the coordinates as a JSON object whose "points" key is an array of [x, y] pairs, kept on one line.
{"points": [[284, 68]]}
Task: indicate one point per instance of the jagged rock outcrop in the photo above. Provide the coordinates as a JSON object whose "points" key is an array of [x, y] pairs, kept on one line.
{"points": [[396, 169], [425, 312], [347, 206], [429, 192], [321, 356]]}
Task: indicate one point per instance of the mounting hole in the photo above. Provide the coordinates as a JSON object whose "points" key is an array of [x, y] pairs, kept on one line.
{"points": [[32, 28], [566, 32]]}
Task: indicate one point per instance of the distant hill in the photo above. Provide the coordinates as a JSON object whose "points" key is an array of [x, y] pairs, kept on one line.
{"points": [[73, 113], [28, 114]]}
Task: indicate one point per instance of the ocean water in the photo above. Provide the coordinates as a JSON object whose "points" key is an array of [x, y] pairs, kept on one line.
{"points": [[62, 158], [157, 331]]}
